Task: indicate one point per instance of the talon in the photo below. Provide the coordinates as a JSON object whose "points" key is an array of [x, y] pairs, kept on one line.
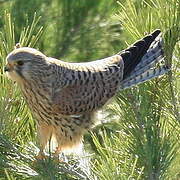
{"points": [[40, 156], [57, 152]]}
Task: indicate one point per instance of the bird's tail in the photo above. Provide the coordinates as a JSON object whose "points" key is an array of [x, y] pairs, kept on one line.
{"points": [[143, 60]]}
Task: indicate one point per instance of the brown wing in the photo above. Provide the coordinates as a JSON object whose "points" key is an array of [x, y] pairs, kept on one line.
{"points": [[89, 86]]}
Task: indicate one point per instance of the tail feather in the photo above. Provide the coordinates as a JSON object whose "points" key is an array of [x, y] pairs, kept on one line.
{"points": [[144, 69], [133, 55], [149, 60], [158, 39], [154, 52], [147, 75], [147, 63]]}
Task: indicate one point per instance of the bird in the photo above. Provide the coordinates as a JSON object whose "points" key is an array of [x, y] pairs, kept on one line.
{"points": [[64, 97]]}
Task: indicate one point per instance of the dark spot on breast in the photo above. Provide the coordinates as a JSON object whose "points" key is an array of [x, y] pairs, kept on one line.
{"points": [[56, 118], [63, 125], [45, 114]]}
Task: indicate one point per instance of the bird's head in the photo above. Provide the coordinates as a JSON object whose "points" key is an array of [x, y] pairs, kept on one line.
{"points": [[24, 63]]}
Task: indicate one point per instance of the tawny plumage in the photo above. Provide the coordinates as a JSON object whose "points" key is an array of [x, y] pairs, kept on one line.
{"points": [[63, 97]]}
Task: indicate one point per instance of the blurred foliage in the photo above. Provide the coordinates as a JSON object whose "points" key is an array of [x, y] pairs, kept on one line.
{"points": [[140, 139], [72, 25]]}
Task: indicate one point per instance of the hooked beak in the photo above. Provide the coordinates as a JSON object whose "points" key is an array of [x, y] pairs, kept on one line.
{"points": [[12, 73], [6, 69]]}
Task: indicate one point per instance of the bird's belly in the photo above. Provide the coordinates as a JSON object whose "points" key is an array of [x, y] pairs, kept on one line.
{"points": [[67, 129], [43, 111]]}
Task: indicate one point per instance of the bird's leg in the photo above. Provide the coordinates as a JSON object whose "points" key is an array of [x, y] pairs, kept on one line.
{"points": [[44, 134], [40, 155], [62, 158], [57, 152]]}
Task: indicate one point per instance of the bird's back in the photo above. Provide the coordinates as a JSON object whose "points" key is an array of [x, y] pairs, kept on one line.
{"points": [[85, 87]]}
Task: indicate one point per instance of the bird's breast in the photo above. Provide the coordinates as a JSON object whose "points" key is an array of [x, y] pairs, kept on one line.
{"points": [[42, 109]]}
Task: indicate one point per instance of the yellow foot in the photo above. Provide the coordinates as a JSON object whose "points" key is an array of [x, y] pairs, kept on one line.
{"points": [[38, 159], [40, 156]]}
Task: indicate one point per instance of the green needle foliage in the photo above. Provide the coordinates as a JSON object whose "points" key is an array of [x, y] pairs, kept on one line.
{"points": [[17, 127], [147, 115], [141, 137], [14, 113]]}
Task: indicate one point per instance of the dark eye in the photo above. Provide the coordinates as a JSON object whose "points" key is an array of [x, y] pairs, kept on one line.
{"points": [[20, 63]]}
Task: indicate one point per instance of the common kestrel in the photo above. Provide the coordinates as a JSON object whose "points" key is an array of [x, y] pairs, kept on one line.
{"points": [[64, 97]]}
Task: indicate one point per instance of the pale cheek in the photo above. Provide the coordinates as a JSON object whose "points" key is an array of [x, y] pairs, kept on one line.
{"points": [[14, 76]]}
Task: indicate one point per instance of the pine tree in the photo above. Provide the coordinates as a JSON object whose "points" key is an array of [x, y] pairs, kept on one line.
{"points": [[140, 138]]}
